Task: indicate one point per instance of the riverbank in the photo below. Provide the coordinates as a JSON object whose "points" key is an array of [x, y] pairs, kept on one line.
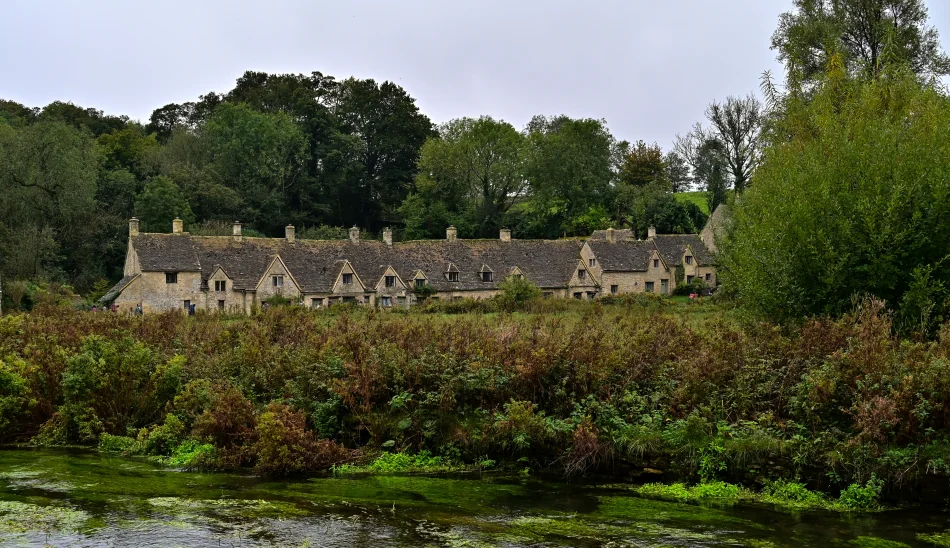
{"points": [[621, 390], [65, 498]]}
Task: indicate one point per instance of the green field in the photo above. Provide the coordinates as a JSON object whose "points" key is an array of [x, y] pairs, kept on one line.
{"points": [[697, 197]]}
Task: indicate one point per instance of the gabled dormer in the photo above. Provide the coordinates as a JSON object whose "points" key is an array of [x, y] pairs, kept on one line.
{"points": [[582, 276], [656, 263], [219, 281], [390, 281], [516, 273], [277, 279], [347, 280], [486, 274], [452, 273], [419, 279]]}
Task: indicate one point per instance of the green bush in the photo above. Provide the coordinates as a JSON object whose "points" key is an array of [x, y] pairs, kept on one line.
{"points": [[116, 444], [193, 455], [716, 490], [862, 497]]}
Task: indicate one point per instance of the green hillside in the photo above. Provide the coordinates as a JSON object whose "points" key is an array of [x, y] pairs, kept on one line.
{"points": [[697, 197]]}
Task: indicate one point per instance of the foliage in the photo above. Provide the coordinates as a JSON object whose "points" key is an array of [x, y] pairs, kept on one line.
{"points": [[161, 201], [516, 291], [811, 234], [862, 497]]}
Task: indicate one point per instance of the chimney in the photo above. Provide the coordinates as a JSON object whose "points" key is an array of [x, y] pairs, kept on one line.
{"points": [[133, 227], [450, 234], [355, 234], [611, 235], [177, 226], [236, 231], [651, 232], [388, 236], [505, 235], [290, 233]]}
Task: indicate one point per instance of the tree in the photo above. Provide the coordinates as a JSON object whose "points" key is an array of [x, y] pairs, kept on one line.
{"points": [[863, 31], [389, 130], [677, 171], [812, 233], [641, 207], [711, 173], [261, 156], [643, 165], [472, 172], [160, 202], [569, 171]]}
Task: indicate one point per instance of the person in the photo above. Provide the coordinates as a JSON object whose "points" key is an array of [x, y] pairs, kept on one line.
{"points": [[191, 310], [138, 309], [94, 309]]}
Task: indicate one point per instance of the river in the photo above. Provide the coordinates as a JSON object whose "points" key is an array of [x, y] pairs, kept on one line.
{"points": [[77, 498]]}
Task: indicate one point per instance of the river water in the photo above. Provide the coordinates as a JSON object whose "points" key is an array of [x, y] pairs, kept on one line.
{"points": [[62, 498]]}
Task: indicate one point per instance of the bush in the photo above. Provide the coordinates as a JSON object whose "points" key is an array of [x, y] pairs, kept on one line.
{"points": [[193, 455], [285, 446], [116, 444], [862, 497], [516, 292]]}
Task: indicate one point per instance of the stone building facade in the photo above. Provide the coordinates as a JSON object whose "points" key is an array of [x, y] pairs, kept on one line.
{"points": [[238, 274]]}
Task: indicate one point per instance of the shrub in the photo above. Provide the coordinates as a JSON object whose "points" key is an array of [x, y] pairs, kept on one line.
{"points": [[193, 455], [516, 292], [862, 497], [116, 444], [716, 490], [285, 446]]}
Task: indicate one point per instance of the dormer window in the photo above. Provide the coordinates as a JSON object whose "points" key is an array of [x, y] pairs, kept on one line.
{"points": [[347, 279], [581, 274], [420, 283], [656, 263], [689, 259], [277, 281], [488, 276], [390, 281], [220, 285], [592, 262], [452, 276]]}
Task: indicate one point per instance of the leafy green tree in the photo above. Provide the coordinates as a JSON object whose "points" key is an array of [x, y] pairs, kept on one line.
{"points": [[813, 233], [93, 120], [677, 171], [643, 165], [569, 171], [129, 148], [160, 202], [640, 207], [863, 31], [470, 175], [259, 155]]}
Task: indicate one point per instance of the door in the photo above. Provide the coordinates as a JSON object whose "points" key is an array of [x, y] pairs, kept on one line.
{"points": [[664, 286]]}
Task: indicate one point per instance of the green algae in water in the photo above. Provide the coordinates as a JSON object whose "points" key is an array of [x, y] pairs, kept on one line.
{"points": [[19, 517], [873, 542], [935, 539]]}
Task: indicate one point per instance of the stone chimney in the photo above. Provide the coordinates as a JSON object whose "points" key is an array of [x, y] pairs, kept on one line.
{"points": [[290, 233], [355, 234], [651, 232], [177, 226], [504, 235], [388, 236], [133, 227], [611, 235], [450, 234], [236, 231]]}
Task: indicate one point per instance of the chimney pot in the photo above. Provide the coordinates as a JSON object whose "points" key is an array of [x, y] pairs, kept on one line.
{"points": [[133, 227], [450, 234], [651, 232], [504, 235], [236, 231], [290, 233], [177, 226], [388, 236], [355, 234]]}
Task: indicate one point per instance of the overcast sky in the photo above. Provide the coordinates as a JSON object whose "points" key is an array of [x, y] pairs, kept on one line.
{"points": [[649, 68]]}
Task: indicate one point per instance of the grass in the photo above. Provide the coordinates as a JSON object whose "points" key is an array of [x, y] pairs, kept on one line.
{"points": [[697, 197]]}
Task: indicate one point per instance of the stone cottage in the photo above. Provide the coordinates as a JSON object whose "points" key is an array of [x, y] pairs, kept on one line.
{"points": [[238, 273]]}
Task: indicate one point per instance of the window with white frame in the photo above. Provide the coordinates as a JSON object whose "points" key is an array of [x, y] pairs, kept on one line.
{"points": [[277, 281]]}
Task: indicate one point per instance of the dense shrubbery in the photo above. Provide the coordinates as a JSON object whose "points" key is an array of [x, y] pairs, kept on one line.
{"points": [[596, 388]]}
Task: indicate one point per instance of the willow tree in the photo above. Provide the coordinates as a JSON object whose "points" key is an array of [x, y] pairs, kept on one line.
{"points": [[854, 201]]}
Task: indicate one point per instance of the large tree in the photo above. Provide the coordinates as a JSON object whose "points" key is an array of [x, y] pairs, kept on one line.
{"points": [[643, 164], [812, 233], [863, 32], [468, 176]]}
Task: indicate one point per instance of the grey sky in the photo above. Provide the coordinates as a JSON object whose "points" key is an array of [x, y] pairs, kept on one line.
{"points": [[647, 67]]}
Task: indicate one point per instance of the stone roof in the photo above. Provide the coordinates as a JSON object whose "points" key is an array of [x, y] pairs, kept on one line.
{"points": [[315, 264], [619, 234], [116, 289], [672, 247], [623, 255]]}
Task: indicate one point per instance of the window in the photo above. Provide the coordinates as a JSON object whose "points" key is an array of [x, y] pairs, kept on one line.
{"points": [[453, 276], [708, 277], [221, 305], [581, 274], [656, 263], [547, 294], [649, 287], [277, 281], [171, 277], [420, 283], [592, 262], [591, 295], [689, 259], [689, 279], [315, 303], [578, 296], [187, 306], [220, 285], [518, 276], [614, 289], [387, 302], [347, 279], [366, 299], [401, 301], [390, 281], [488, 276]]}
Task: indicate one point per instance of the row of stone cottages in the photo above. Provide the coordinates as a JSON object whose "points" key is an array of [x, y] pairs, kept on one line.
{"points": [[238, 273]]}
